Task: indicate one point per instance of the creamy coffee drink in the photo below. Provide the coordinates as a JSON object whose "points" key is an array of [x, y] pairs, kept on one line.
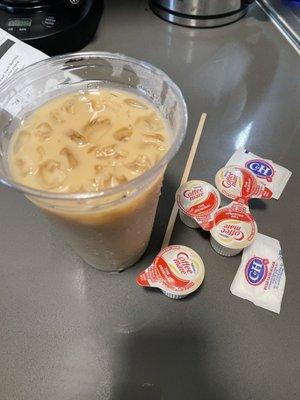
{"points": [[88, 142]]}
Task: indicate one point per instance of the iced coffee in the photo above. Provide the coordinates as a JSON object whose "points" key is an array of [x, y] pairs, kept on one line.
{"points": [[92, 142]]}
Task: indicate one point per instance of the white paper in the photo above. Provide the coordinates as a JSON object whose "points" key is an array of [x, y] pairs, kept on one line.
{"points": [[15, 55]]}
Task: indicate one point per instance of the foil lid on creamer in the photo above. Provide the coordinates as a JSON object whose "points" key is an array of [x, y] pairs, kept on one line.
{"points": [[274, 176], [239, 183], [177, 271], [234, 226], [198, 200]]}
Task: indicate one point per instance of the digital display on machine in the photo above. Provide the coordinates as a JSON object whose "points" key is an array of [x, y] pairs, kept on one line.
{"points": [[19, 23]]}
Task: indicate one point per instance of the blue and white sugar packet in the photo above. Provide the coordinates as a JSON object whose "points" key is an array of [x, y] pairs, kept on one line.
{"points": [[260, 277]]}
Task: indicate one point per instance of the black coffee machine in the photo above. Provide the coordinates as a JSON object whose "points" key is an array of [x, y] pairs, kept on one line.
{"points": [[52, 26]]}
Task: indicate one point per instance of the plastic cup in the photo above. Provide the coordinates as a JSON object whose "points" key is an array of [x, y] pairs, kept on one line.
{"points": [[111, 229]]}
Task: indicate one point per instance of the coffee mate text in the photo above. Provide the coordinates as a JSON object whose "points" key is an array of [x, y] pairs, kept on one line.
{"points": [[183, 264], [194, 193], [233, 230], [230, 180]]}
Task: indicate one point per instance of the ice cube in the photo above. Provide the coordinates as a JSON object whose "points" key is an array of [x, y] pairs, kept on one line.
{"points": [[112, 95], [112, 105], [20, 140], [140, 165], [107, 182], [153, 138], [99, 168], [76, 137], [123, 134], [149, 123], [113, 180], [106, 151], [69, 106], [159, 147], [72, 161], [25, 165], [77, 189], [97, 105], [136, 104], [44, 131], [97, 124], [57, 117], [91, 149], [51, 174], [41, 152], [121, 154], [83, 98], [121, 179], [93, 185]]}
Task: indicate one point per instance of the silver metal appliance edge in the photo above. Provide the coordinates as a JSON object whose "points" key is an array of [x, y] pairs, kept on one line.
{"points": [[197, 22], [200, 7]]}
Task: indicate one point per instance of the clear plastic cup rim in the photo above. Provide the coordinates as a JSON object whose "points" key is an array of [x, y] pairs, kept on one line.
{"points": [[123, 187]]}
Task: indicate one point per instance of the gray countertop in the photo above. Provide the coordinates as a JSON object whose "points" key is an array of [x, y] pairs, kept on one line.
{"points": [[70, 332]]}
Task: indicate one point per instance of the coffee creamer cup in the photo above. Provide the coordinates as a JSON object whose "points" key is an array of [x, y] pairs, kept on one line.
{"points": [[260, 277], [272, 175], [177, 271], [234, 229], [197, 202], [239, 183]]}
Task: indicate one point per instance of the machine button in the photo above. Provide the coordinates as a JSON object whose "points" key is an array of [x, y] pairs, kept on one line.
{"points": [[50, 21], [11, 29], [23, 29]]}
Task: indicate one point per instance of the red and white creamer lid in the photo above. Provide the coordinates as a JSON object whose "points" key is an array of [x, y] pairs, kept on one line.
{"points": [[274, 176], [239, 183], [176, 270], [234, 226], [198, 200]]}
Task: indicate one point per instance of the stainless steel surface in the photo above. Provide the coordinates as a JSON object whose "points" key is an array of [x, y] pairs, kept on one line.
{"points": [[200, 13], [200, 7], [285, 13], [70, 332], [197, 22]]}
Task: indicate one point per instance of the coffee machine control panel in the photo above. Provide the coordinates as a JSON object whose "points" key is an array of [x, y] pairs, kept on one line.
{"points": [[54, 27]]}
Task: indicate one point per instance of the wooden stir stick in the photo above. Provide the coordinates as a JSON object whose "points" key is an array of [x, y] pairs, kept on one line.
{"points": [[184, 179]]}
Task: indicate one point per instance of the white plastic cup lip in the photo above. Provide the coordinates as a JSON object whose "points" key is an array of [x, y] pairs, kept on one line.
{"points": [[126, 187]]}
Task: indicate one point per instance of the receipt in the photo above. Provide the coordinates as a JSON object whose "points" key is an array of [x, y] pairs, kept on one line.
{"points": [[15, 55]]}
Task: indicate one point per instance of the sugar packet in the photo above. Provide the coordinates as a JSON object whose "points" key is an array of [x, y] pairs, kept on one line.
{"points": [[260, 277], [274, 176]]}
